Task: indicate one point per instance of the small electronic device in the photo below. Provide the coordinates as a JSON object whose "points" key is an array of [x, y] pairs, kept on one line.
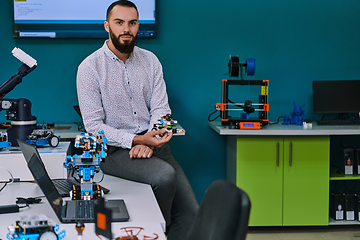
{"points": [[9, 208], [350, 206], [337, 206], [102, 219], [349, 161], [250, 125]]}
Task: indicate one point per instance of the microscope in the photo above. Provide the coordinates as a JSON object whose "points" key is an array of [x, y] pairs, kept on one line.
{"points": [[18, 110]]}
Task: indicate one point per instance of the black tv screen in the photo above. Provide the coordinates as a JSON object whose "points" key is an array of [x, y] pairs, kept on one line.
{"points": [[337, 96], [74, 18]]}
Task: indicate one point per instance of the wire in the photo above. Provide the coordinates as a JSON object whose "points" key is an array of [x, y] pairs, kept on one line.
{"points": [[27, 205], [277, 122], [12, 178], [3, 186], [102, 178], [237, 105], [27, 201], [210, 120]]}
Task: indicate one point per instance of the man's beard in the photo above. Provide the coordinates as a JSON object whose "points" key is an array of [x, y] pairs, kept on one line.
{"points": [[127, 46]]}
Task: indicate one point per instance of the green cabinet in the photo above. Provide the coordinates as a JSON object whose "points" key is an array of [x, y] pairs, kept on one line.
{"points": [[286, 178]]}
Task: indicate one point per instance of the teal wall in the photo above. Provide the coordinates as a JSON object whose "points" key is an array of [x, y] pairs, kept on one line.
{"points": [[293, 42]]}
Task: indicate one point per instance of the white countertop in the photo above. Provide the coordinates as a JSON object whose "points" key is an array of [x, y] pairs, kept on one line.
{"points": [[288, 130]]}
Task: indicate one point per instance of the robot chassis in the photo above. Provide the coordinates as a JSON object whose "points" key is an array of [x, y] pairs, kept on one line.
{"points": [[86, 164], [40, 137], [37, 227]]}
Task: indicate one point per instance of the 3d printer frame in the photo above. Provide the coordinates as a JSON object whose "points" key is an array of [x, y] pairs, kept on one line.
{"points": [[243, 123]]}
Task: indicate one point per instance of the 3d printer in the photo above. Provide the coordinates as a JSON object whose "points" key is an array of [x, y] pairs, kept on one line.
{"points": [[244, 122], [18, 110]]}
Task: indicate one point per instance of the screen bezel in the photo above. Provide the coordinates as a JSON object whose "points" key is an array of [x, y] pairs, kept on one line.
{"points": [[336, 96], [93, 29]]}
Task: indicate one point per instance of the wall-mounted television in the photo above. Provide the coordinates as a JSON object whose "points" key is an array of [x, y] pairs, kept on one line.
{"points": [[74, 18], [336, 96]]}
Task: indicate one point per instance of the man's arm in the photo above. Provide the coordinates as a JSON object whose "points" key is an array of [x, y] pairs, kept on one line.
{"points": [[91, 106]]}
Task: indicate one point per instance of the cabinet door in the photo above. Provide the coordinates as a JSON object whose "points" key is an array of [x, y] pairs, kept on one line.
{"points": [[306, 181], [259, 172]]}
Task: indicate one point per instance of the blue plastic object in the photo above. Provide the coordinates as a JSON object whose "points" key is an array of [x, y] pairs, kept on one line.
{"points": [[250, 67]]}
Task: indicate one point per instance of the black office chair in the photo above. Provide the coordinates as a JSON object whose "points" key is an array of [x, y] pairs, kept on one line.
{"points": [[223, 214]]}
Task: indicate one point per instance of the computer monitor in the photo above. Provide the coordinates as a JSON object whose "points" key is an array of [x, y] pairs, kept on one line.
{"points": [[74, 18], [336, 96]]}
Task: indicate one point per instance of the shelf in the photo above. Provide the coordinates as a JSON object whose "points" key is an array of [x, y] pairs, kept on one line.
{"points": [[343, 222], [344, 177]]}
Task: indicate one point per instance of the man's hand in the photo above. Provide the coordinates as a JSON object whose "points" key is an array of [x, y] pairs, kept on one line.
{"points": [[150, 139], [141, 151]]}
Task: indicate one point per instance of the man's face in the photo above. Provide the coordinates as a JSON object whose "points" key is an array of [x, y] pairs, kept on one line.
{"points": [[122, 27]]}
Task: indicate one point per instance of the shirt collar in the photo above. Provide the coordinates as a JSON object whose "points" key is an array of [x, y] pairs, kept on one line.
{"points": [[112, 55]]}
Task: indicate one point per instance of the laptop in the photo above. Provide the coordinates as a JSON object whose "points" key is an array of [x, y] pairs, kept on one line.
{"points": [[67, 211]]}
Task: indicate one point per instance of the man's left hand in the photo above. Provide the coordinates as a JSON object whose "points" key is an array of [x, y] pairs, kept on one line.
{"points": [[140, 151]]}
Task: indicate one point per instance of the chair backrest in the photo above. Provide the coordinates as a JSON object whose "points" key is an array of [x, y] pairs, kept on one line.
{"points": [[223, 214]]}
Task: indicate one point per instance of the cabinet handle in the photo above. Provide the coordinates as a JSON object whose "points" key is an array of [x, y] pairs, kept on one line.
{"points": [[277, 153], [290, 157]]}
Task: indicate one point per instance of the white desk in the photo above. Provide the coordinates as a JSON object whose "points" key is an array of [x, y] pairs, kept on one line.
{"points": [[287, 130], [139, 198], [72, 132], [13, 160]]}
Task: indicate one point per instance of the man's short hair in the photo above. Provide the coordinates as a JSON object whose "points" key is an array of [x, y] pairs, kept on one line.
{"points": [[124, 3]]}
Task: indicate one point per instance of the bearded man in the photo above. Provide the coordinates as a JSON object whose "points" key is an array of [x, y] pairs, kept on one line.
{"points": [[121, 90]]}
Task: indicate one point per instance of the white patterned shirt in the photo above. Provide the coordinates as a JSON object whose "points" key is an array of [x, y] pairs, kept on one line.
{"points": [[123, 99]]}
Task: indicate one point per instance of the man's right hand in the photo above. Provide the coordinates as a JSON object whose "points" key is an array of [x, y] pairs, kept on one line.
{"points": [[150, 138]]}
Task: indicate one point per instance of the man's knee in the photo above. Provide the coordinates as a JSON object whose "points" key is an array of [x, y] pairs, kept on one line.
{"points": [[165, 179]]}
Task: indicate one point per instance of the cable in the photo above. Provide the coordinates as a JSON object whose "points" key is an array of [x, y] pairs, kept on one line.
{"points": [[210, 120], [27, 201], [102, 178], [235, 104], [277, 122], [12, 178], [3, 186]]}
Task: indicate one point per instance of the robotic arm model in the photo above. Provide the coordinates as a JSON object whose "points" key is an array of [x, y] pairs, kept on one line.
{"points": [[18, 110], [87, 164]]}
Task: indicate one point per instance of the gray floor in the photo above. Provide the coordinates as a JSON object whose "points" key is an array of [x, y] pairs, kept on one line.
{"points": [[308, 233]]}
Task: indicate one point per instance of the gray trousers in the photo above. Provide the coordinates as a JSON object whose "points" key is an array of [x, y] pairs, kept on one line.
{"points": [[171, 187]]}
